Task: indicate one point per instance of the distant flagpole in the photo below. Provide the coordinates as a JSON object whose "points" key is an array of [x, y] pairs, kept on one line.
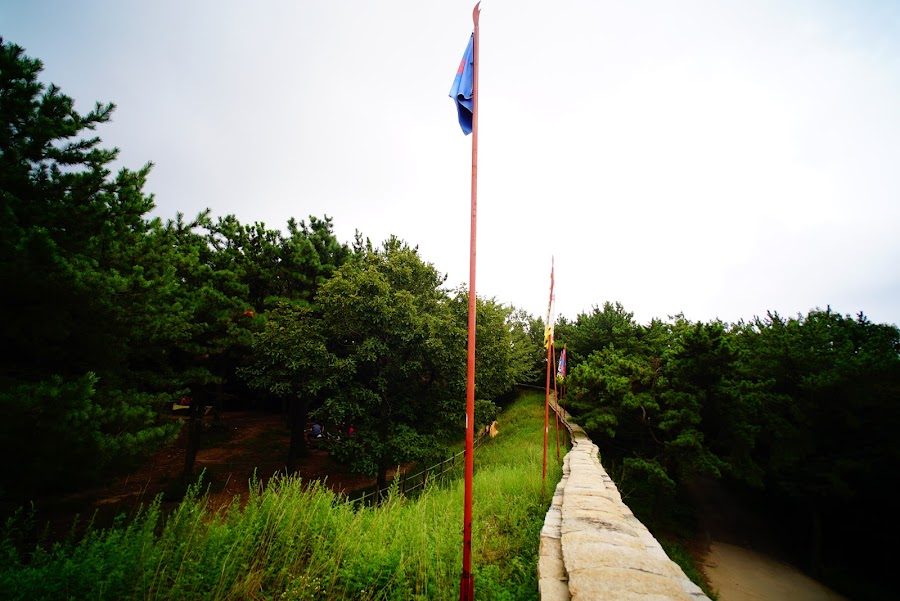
{"points": [[465, 94], [556, 398], [561, 372], [548, 342]]}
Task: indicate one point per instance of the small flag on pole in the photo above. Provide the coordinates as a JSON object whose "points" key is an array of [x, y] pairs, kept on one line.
{"points": [[462, 91], [561, 369], [548, 344], [548, 327]]}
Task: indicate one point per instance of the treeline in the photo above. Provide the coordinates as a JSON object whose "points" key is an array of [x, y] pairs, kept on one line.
{"points": [[799, 413], [110, 315]]}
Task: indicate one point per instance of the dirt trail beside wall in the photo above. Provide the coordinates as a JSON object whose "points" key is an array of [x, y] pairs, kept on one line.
{"points": [[743, 558], [740, 574]]}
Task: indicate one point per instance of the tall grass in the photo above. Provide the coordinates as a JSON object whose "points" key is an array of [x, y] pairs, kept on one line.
{"points": [[298, 540]]}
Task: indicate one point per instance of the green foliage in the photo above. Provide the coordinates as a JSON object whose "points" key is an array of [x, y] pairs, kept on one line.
{"points": [[828, 438], [599, 329], [803, 408], [288, 354], [82, 431], [395, 357], [275, 268], [504, 346], [832, 382], [485, 412]]}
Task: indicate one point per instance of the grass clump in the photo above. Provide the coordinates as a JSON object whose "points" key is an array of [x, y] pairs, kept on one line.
{"points": [[298, 540]]}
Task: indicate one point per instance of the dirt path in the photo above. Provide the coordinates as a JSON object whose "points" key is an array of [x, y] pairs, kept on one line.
{"points": [[740, 574], [742, 559]]}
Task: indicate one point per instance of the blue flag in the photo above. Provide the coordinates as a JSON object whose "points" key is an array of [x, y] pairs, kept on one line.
{"points": [[462, 91]]}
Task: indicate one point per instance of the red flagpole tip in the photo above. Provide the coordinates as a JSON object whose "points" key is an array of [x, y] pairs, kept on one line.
{"points": [[475, 12]]}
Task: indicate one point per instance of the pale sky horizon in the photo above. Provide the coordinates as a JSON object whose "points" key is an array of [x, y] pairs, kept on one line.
{"points": [[716, 159]]}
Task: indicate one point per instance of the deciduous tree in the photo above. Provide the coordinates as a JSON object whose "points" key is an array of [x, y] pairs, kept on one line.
{"points": [[399, 355]]}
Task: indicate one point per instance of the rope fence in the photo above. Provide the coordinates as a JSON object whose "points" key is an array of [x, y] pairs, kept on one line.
{"points": [[411, 484]]}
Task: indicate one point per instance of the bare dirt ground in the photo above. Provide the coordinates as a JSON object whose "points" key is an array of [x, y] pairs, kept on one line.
{"points": [[233, 448], [741, 574], [741, 557]]}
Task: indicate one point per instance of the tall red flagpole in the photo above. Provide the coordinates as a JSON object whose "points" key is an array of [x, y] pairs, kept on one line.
{"points": [[466, 581]]}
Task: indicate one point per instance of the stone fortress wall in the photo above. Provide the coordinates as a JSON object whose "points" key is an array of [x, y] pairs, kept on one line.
{"points": [[593, 547]]}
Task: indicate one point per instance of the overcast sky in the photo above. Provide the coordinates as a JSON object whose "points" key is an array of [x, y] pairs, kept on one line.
{"points": [[718, 159]]}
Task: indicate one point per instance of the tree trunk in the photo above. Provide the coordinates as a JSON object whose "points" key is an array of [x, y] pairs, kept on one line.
{"points": [[219, 403], [381, 482], [299, 409], [194, 424]]}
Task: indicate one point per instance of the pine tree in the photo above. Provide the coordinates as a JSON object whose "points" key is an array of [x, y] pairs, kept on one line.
{"points": [[85, 277]]}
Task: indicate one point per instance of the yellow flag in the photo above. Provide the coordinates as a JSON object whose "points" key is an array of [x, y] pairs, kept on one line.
{"points": [[548, 325]]}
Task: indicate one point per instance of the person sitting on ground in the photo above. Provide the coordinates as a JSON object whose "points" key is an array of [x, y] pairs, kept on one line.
{"points": [[316, 431]]}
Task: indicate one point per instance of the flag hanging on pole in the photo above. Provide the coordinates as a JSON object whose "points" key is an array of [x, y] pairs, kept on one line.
{"points": [[463, 88], [561, 369], [465, 94], [551, 355], [548, 327]]}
